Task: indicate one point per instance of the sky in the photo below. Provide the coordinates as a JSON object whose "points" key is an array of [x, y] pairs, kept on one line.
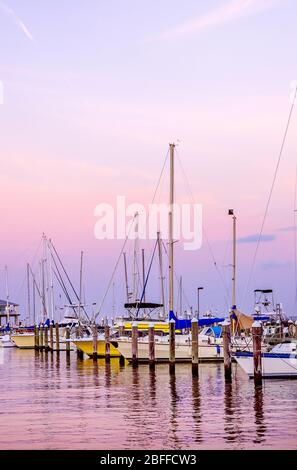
{"points": [[94, 91]]}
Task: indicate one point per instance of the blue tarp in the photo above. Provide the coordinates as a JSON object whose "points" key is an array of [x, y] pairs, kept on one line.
{"points": [[182, 324]]}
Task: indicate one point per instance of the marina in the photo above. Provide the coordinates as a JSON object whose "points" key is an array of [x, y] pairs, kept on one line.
{"points": [[148, 243]]}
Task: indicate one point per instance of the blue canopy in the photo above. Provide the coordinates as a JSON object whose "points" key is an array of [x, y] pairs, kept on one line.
{"points": [[182, 324]]}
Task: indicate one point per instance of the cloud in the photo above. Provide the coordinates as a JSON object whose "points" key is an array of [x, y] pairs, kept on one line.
{"points": [[17, 20], [275, 265], [255, 238], [287, 229], [231, 11]]}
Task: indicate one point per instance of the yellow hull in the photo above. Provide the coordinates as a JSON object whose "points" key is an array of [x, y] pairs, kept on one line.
{"points": [[25, 341], [86, 345], [144, 326]]}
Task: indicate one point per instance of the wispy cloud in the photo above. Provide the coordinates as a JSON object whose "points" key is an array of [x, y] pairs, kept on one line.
{"points": [[287, 229], [231, 11], [275, 265], [17, 20], [254, 238]]}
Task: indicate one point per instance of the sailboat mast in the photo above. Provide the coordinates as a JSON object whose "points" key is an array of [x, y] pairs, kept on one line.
{"points": [[234, 265], [126, 277], [171, 221], [28, 292], [7, 294], [143, 274], [44, 313], [181, 295], [51, 280], [161, 272], [34, 302], [80, 283]]}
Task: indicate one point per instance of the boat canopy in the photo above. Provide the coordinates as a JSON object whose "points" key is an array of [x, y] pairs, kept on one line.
{"points": [[183, 324], [143, 305]]}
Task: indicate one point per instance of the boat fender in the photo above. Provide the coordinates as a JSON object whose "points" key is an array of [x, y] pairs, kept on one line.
{"points": [[218, 349]]}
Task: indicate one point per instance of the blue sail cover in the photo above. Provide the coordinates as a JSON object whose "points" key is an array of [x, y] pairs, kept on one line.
{"points": [[182, 324]]}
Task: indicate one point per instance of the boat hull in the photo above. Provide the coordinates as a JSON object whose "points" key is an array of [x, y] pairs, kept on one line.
{"points": [[86, 346], [183, 352], [273, 366], [24, 341], [5, 342]]}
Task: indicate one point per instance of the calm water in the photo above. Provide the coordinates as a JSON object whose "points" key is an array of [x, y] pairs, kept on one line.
{"points": [[51, 404]]}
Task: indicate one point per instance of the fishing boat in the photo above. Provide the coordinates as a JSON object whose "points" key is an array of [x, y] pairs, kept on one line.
{"points": [[280, 362], [5, 342]]}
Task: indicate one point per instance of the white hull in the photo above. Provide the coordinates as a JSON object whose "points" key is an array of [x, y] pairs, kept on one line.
{"points": [[272, 366], [5, 342], [183, 352]]}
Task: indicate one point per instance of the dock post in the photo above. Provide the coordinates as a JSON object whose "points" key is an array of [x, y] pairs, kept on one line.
{"points": [[195, 348], [41, 336], [134, 344], [67, 340], [151, 338], [79, 352], [121, 329], [107, 343], [172, 346], [226, 331], [95, 337], [36, 337], [51, 335], [257, 340], [296, 329], [46, 338], [57, 337]]}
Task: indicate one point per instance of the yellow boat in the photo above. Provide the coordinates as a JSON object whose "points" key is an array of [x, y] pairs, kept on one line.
{"points": [[24, 340], [86, 345]]}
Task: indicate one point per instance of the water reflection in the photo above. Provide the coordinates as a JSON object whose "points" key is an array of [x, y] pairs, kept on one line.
{"points": [[152, 386], [196, 404], [259, 415], [49, 403], [174, 399]]}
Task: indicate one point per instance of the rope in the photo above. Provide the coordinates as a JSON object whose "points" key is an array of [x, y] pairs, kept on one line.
{"points": [[191, 194], [147, 277], [271, 191], [115, 268], [295, 240]]}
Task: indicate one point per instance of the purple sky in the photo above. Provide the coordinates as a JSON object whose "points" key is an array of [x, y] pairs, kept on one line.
{"points": [[93, 93]]}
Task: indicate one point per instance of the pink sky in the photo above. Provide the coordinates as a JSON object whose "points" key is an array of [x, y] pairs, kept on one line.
{"points": [[88, 114]]}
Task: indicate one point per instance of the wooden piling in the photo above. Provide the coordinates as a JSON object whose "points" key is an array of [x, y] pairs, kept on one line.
{"points": [[95, 338], [151, 338], [121, 329], [172, 346], [79, 352], [107, 343], [195, 347], [57, 337], [257, 341], [51, 331], [134, 344], [41, 337], [67, 335], [36, 337], [46, 338], [226, 332]]}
